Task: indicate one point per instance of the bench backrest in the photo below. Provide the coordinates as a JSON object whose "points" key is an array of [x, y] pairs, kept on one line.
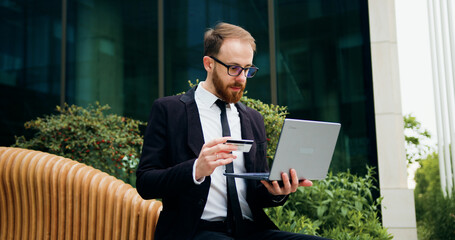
{"points": [[44, 196]]}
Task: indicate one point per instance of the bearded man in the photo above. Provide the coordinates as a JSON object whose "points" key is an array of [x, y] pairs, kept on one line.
{"points": [[184, 155]]}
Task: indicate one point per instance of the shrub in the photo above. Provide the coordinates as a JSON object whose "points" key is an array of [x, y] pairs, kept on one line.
{"points": [[427, 176], [435, 213], [292, 221], [340, 207], [110, 143], [436, 216]]}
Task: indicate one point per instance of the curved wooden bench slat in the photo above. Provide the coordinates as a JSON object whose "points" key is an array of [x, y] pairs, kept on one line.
{"points": [[44, 196], [134, 216], [118, 218], [62, 198], [54, 204], [84, 202], [24, 186], [9, 194], [31, 183], [142, 221], [151, 221], [101, 205], [16, 188], [94, 187], [70, 198], [109, 217], [126, 206], [3, 198]]}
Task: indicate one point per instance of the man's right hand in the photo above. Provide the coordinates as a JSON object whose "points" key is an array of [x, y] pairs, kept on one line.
{"points": [[214, 154]]}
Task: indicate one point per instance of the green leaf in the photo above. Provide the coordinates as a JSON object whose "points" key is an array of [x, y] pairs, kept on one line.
{"points": [[329, 193], [321, 210], [344, 211]]}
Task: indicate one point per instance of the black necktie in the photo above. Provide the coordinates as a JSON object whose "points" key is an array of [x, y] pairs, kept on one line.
{"points": [[234, 212]]}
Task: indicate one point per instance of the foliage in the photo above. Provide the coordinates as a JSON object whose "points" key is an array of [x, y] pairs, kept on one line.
{"points": [[291, 221], [340, 207], [274, 116], [435, 213], [427, 176], [415, 137], [436, 216], [110, 142]]}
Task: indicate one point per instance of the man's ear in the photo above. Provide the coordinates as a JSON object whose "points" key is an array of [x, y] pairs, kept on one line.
{"points": [[208, 63]]}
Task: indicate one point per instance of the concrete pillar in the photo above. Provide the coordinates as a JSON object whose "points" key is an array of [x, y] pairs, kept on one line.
{"points": [[398, 210], [99, 54]]}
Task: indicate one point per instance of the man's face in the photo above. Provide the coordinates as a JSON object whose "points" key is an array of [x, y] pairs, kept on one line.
{"points": [[232, 52], [228, 91]]}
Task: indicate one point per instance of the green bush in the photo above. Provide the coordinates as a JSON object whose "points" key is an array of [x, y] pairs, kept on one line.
{"points": [[340, 207], [110, 142], [290, 220], [427, 176], [436, 216], [435, 213]]}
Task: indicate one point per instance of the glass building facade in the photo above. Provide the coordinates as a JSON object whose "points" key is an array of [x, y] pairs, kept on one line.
{"points": [[313, 55]]}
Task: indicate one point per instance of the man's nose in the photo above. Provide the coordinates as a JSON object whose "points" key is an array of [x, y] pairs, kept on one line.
{"points": [[241, 77]]}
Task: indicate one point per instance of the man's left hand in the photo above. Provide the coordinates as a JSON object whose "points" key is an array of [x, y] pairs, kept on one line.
{"points": [[289, 185]]}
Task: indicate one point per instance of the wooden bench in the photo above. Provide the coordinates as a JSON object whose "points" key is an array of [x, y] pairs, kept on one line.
{"points": [[44, 196]]}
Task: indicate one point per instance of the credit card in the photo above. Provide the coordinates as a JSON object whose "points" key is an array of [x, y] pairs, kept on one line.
{"points": [[242, 145]]}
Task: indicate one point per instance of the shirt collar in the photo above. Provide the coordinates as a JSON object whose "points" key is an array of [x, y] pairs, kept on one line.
{"points": [[207, 98]]}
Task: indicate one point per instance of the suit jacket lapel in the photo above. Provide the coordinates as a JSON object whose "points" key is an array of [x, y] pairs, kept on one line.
{"points": [[247, 133], [195, 135]]}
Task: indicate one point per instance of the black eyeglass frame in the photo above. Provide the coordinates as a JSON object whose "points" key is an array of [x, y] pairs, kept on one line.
{"points": [[244, 69]]}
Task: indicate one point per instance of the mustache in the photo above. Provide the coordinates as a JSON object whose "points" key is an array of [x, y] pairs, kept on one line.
{"points": [[240, 85]]}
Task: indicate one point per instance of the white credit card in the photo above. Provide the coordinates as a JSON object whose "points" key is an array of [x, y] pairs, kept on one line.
{"points": [[242, 145]]}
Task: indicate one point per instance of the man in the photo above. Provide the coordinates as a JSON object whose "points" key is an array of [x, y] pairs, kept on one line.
{"points": [[184, 155]]}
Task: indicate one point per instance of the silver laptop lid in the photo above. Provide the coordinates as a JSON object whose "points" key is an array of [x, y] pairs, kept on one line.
{"points": [[306, 146]]}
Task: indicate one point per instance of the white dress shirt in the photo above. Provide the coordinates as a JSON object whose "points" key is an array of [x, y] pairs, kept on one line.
{"points": [[209, 113]]}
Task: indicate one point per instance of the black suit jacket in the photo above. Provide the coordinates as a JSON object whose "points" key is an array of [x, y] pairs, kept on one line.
{"points": [[172, 142]]}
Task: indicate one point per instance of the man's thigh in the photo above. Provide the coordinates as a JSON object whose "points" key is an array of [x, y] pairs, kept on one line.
{"points": [[204, 235], [276, 234]]}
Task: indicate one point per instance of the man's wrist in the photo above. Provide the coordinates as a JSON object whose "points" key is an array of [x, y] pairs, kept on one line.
{"points": [[278, 198], [196, 181]]}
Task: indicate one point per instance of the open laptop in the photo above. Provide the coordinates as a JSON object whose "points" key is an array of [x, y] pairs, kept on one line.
{"points": [[306, 146]]}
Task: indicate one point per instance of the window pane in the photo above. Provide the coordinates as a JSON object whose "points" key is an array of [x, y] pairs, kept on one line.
{"points": [[112, 55], [30, 36], [323, 62]]}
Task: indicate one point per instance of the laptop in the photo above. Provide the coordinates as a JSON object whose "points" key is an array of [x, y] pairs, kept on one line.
{"points": [[307, 146]]}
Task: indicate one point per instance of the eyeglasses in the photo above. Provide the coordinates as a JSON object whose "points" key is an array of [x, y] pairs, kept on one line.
{"points": [[234, 70]]}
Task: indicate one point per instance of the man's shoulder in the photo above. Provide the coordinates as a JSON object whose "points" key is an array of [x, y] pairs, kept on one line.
{"points": [[170, 100], [174, 98], [249, 110], [177, 99], [167, 104]]}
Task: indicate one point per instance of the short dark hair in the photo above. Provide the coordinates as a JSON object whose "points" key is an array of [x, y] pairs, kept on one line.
{"points": [[214, 37]]}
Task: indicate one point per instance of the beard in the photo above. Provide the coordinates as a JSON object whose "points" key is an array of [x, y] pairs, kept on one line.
{"points": [[223, 91]]}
